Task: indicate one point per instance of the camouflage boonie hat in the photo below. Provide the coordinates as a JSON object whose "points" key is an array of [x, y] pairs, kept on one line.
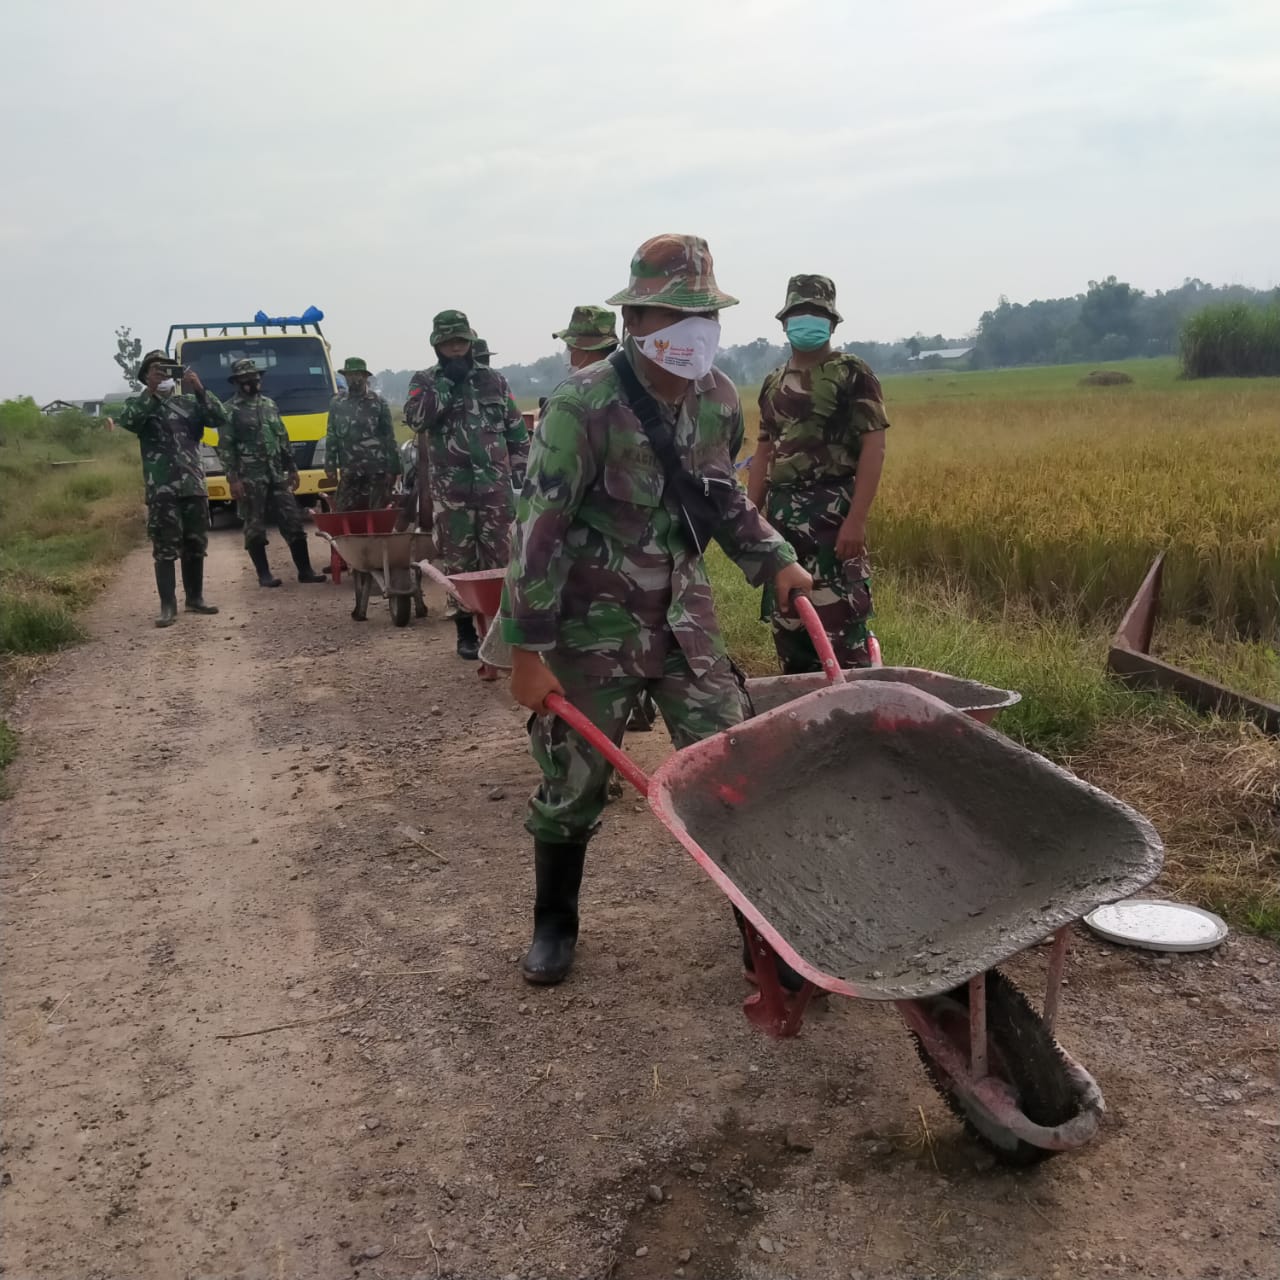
{"points": [[811, 291], [480, 351], [589, 329], [244, 369], [451, 324], [153, 357], [673, 271], [353, 364]]}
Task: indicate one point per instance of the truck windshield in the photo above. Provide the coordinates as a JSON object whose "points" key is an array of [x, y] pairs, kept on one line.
{"points": [[295, 371]]}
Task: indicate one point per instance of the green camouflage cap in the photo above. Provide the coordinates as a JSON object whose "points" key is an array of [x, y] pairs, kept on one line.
{"points": [[451, 324], [673, 271], [353, 364], [589, 329], [244, 369], [811, 291], [480, 350]]}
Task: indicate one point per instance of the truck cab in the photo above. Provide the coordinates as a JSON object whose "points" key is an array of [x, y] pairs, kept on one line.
{"points": [[297, 373]]}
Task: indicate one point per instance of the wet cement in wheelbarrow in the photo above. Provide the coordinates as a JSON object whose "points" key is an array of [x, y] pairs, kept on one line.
{"points": [[907, 860]]}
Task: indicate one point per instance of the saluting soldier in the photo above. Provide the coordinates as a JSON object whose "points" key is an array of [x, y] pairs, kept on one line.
{"points": [[607, 596], [360, 443], [472, 446], [815, 474], [169, 426], [263, 475]]}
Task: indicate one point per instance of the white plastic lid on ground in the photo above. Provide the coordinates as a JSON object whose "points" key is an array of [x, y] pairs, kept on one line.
{"points": [[1157, 925]]}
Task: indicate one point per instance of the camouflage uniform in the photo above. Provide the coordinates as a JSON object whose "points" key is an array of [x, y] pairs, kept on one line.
{"points": [[815, 419], [476, 447], [602, 580], [169, 430], [360, 445], [255, 450]]}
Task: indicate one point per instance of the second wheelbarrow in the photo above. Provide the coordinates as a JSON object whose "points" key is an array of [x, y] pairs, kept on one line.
{"points": [[386, 560], [888, 847], [480, 593]]}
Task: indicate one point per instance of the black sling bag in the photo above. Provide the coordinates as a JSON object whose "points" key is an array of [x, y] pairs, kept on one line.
{"points": [[702, 502]]}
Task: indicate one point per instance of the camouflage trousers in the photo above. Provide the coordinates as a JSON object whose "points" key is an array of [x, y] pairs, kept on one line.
{"points": [[810, 520], [363, 493], [178, 527], [471, 538], [265, 499], [566, 808]]}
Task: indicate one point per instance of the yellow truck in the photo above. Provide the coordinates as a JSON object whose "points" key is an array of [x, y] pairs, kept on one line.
{"points": [[297, 373]]}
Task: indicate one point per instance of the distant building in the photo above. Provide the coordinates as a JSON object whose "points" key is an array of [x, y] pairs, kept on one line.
{"points": [[945, 353], [92, 407]]}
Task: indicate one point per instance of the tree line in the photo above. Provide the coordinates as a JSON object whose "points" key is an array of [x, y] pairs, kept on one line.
{"points": [[1111, 320]]}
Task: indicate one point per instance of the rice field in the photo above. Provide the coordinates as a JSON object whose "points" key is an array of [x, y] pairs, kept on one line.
{"points": [[1025, 486]]}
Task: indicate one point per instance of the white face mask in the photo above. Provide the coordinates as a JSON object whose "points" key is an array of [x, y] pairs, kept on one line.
{"points": [[687, 348], [165, 387]]}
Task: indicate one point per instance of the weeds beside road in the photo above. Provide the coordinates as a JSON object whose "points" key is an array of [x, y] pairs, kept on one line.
{"points": [[70, 507]]}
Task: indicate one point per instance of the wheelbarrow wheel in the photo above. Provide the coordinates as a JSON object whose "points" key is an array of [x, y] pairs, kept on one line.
{"points": [[401, 609], [1020, 1051]]}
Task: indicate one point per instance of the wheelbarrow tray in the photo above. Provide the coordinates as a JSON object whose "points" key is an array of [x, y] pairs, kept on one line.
{"points": [[982, 701], [376, 520], [372, 552], [481, 591], [889, 847]]}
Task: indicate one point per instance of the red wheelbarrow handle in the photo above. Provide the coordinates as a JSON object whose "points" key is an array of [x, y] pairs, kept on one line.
{"points": [[801, 603], [602, 743], [624, 764]]}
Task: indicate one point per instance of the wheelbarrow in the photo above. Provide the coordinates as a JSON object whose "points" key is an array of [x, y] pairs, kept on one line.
{"points": [[331, 524], [386, 560], [480, 593], [888, 847]]}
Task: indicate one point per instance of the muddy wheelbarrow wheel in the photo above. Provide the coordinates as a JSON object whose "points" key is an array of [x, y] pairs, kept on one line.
{"points": [[401, 607], [1020, 1051]]}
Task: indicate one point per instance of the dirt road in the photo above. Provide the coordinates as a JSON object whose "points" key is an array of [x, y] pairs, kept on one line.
{"points": [[264, 888]]}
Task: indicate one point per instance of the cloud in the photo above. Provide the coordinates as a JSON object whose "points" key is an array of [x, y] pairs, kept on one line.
{"points": [[393, 159]]}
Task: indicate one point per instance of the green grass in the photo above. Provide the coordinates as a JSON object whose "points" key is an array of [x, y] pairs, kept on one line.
{"points": [[1058, 667], [70, 507]]}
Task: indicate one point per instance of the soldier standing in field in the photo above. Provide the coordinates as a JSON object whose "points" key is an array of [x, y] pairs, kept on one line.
{"points": [[607, 595], [480, 350], [815, 473], [262, 473], [169, 427], [589, 336], [360, 443], [472, 446]]}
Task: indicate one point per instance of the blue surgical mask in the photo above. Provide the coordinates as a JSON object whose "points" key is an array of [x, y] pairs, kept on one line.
{"points": [[808, 333]]}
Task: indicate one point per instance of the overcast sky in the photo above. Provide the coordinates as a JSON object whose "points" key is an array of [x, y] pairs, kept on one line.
{"points": [[385, 160]]}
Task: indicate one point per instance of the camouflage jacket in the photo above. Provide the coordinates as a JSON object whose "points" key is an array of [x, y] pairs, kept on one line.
{"points": [[816, 427], [476, 439], [254, 444], [600, 570], [361, 440], [169, 430]]}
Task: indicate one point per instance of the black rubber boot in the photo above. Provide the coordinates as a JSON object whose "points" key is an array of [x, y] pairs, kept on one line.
{"points": [[193, 585], [468, 641], [258, 554], [790, 979], [301, 559], [419, 602], [558, 871], [642, 715], [167, 586]]}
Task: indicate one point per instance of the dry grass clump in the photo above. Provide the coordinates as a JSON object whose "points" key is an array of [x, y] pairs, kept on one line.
{"points": [[1212, 791], [1106, 378]]}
